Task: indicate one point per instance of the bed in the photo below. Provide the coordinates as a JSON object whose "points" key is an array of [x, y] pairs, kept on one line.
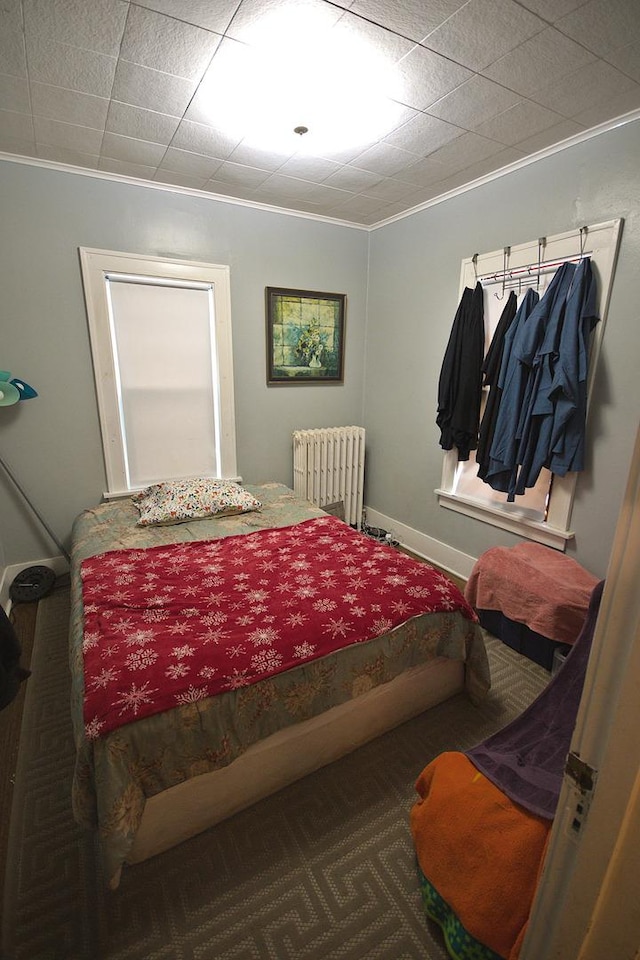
{"points": [[146, 781]]}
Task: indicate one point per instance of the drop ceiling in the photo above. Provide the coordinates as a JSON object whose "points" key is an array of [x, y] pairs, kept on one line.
{"points": [[138, 90]]}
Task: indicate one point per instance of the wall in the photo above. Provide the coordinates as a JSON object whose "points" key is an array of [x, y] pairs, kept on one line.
{"points": [[413, 295], [53, 443]]}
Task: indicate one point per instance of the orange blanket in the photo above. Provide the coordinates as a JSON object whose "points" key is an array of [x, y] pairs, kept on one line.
{"points": [[480, 854]]}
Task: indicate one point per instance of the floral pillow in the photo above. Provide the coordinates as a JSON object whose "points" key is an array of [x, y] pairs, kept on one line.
{"points": [[177, 501]]}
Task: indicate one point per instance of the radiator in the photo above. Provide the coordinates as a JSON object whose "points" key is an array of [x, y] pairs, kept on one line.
{"points": [[328, 466]]}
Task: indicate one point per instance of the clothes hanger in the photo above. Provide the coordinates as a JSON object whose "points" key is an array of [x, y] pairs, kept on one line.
{"points": [[505, 256]]}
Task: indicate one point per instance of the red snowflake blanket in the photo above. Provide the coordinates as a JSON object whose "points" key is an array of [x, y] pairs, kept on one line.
{"points": [[172, 624]]}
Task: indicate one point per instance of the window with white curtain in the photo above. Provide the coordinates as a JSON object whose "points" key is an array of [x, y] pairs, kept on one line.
{"points": [[160, 334]]}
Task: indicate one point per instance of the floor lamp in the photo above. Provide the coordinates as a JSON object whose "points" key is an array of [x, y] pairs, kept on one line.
{"points": [[12, 391]]}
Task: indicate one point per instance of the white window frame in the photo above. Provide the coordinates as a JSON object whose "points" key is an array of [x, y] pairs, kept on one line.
{"points": [[601, 242], [97, 267]]}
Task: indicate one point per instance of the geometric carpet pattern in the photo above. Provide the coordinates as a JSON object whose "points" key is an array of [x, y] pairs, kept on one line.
{"points": [[323, 869]]}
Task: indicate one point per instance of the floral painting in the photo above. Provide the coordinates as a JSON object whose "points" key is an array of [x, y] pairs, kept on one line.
{"points": [[305, 336]]}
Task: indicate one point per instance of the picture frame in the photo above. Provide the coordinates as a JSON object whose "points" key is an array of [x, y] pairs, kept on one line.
{"points": [[305, 336]]}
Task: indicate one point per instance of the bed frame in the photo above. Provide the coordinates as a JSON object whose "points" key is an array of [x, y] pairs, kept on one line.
{"points": [[189, 808]]}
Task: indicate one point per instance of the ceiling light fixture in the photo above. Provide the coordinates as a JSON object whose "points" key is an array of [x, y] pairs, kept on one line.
{"points": [[293, 65]]}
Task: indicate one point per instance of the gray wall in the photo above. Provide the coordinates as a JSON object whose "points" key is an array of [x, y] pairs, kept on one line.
{"points": [[53, 443], [401, 281], [413, 295]]}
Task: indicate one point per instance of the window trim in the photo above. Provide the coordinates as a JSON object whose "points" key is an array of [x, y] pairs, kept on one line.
{"points": [[602, 245], [97, 266]]}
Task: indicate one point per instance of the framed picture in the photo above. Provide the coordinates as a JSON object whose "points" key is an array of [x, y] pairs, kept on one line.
{"points": [[305, 336]]}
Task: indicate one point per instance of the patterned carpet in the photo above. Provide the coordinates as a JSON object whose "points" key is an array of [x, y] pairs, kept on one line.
{"points": [[324, 869]]}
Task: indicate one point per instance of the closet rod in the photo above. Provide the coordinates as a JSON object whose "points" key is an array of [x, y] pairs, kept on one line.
{"points": [[531, 269]]}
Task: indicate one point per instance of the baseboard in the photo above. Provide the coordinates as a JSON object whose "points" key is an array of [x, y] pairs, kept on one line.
{"points": [[58, 564], [454, 561]]}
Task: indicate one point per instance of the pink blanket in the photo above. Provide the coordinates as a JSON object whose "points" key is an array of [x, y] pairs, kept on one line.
{"points": [[173, 624], [534, 585]]}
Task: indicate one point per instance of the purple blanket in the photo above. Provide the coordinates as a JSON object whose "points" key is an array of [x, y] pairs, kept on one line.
{"points": [[526, 759]]}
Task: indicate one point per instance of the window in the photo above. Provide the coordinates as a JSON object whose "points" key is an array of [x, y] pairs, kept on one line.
{"points": [[161, 344], [544, 512]]}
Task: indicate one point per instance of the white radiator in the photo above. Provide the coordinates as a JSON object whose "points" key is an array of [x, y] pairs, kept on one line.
{"points": [[328, 466]]}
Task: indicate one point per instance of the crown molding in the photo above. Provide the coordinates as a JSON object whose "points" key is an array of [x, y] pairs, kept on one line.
{"points": [[550, 151]]}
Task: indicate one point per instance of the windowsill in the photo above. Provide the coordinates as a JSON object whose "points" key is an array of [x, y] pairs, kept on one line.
{"points": [[522, 526]]}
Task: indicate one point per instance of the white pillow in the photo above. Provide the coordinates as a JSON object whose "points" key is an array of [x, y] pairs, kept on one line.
{"points": [[176, 501]]}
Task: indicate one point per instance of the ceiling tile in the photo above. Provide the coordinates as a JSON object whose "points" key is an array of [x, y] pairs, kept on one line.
{"points": [[193, 164], [483, 31], [423, 134], [238, 173], [518, 122], [253, 157], [258, 22], [627, 60], [384, 159], [426, 76], [476, 100], [390, 189], [179, 179], [132, 151], [388, 47], [353, 178], [161, 43], [490, 165], [66, 21], [358, 204], [68, 135], [14, 94], [18, 126], [466, 150], [12, 52], [16, 145], [617, 105], [59, 154], [69, 106], [125, 169], [198, 138], [325, 194], [225, 189], [130, 121], [411, 18], [152, 89], [425, 172], [552, 10], [603, 25], [591, 86], [60, 65], [546, 138], [278, 187], [547, 57], [201, 13], [309, 168]]}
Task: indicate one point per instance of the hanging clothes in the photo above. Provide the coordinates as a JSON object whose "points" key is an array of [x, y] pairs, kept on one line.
{"points": [[532, 431], [460, 383], [491, 373], [542, 413], [557, 414], [569, 387], [512, 384]]}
